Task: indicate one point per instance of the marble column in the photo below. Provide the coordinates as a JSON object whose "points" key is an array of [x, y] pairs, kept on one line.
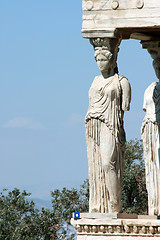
{"points": [[151, 132], [109, 97]]}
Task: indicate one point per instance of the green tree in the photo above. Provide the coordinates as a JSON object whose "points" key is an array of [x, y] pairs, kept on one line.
{"points": [[19, 219], [67, 201], [134, 193]]}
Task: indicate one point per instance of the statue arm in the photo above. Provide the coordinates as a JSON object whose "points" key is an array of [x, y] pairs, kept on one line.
{"points": [[126, 94]]}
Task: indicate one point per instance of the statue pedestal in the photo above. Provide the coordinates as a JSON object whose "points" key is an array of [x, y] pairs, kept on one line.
{"points": [[112, 227]]}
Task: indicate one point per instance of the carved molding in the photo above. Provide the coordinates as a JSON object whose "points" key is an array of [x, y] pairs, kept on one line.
{"points": [[118, 230], [123, 228]]}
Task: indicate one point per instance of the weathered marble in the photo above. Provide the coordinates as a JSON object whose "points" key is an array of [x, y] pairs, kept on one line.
{"points": [[107, 215], [109, 228], [85, 237], [151, 146], [121, 18], [151, 134], [109, 97]]}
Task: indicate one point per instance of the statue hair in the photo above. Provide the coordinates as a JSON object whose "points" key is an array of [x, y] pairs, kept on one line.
{"points": [[108, 47]]}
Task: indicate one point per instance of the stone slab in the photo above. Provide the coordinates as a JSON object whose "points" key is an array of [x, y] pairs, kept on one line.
{"points": [[147, 217], [108, 228], [108, 215], [96, 222], [85, 237], [127, 16]]}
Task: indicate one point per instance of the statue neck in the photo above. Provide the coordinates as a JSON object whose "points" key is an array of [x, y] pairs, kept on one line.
{"points": [[108, 73]]}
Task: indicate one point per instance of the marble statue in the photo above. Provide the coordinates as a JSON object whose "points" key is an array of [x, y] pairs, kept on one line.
{"points": [[109, 97], [151, 141]]}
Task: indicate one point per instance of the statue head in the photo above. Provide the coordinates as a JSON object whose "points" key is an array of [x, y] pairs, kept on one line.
{"points": [[156, 65], [103, 57], [106, 50]]}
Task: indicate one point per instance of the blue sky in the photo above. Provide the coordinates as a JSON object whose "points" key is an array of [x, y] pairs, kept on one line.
{"points": [[46, 69]]}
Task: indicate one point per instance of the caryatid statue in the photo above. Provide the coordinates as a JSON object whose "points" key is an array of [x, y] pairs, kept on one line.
{"points": [[151, 139], [109, 97]]}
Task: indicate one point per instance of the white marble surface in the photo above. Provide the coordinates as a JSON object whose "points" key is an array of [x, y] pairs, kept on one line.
{"points": [[143, 228], [151, 141], [109, 97], [85, 237], [100, 17]]}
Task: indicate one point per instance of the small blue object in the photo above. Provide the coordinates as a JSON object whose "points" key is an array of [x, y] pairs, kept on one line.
{"points": [[76, 215]]}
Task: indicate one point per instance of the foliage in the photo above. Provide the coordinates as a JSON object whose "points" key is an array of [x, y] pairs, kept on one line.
{"points": [[67, 201], [20, 220], [134, 193]]}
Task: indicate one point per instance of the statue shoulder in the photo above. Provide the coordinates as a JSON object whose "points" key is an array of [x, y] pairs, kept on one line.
{"points": [[150, 87], [124, 81], [95, 80], [97, 77], [122, 78]]}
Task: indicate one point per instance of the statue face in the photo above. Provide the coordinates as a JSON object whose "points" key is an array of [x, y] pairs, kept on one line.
{"points": [[103, 62]]}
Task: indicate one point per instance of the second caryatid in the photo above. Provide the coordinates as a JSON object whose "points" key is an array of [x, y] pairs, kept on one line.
{"points": [[151, 141], [109, 97]]}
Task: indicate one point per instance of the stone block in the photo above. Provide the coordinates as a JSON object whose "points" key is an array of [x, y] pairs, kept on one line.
{"points": [[121, 18], [120, 228]]}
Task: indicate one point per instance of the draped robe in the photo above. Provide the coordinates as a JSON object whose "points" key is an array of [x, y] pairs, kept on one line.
{"points": [[105, 139], [151, 146]]}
